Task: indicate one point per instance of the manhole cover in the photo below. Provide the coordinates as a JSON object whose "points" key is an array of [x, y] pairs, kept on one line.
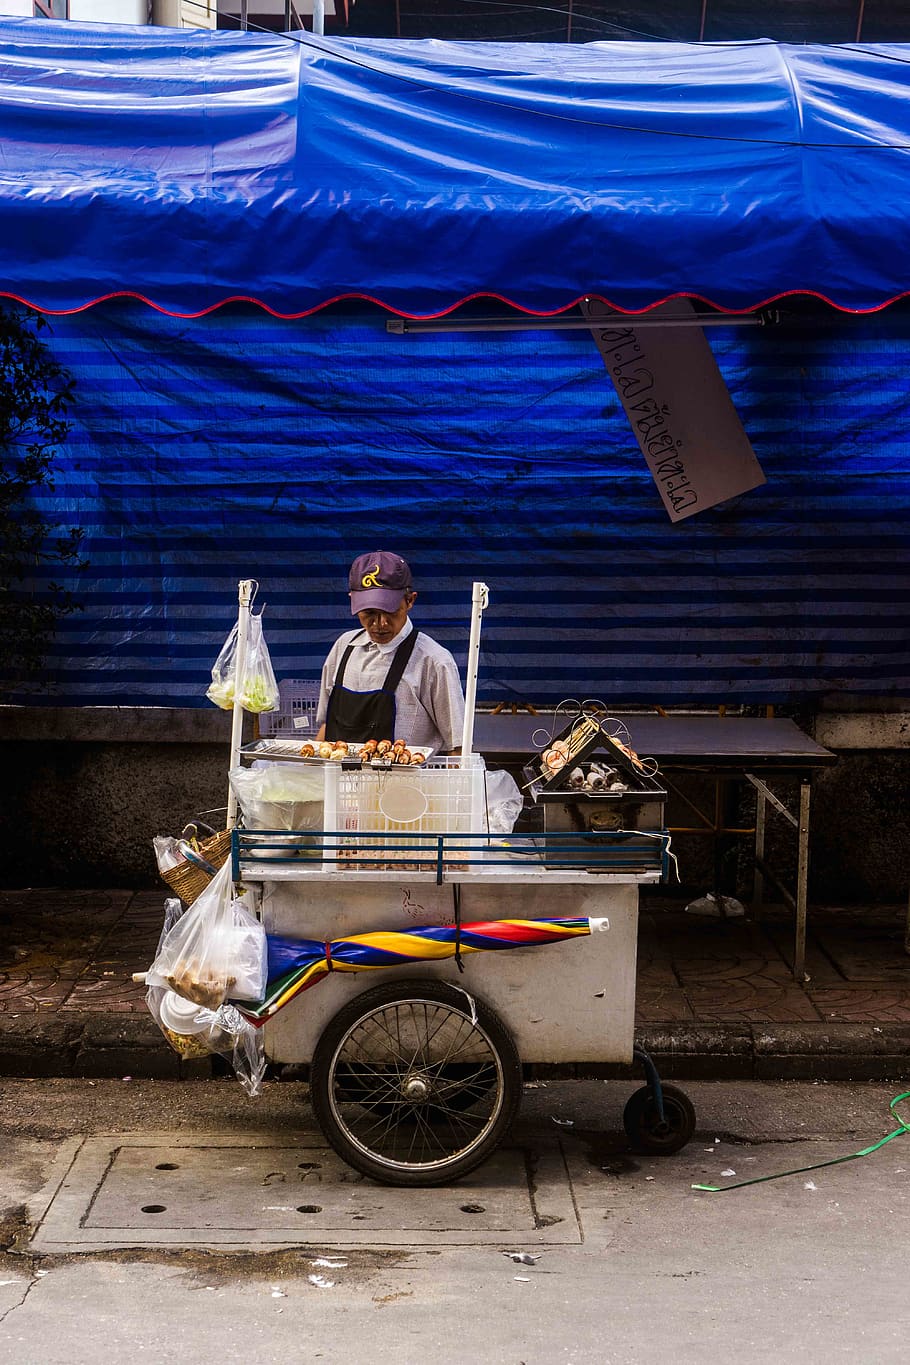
{"points": [[191, 1190]]}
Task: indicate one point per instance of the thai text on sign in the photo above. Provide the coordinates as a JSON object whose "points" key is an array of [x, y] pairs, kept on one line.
{"points": [[678, 406]]}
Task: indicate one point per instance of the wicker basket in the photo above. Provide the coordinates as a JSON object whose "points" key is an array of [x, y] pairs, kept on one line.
{"points": [[188, 880]]}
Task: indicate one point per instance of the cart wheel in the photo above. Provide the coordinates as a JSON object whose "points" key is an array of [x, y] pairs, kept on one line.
{"points": [[408, 1090], [644, 1126]]}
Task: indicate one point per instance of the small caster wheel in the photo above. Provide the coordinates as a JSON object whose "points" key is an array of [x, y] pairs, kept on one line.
{"points": [[647, 1131]]}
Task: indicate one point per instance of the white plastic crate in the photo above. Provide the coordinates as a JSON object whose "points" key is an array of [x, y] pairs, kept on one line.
{"points": [[443, 796], [298, 699]]}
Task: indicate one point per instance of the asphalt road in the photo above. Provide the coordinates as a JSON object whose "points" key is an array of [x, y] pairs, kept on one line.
{"points": [[804, 1269]]}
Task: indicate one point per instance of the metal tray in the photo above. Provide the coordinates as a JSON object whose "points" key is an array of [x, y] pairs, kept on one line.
{"points": [[288, 751]]}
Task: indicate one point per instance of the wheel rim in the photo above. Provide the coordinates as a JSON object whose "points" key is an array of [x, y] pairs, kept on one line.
{"points": [[414, 1084]]}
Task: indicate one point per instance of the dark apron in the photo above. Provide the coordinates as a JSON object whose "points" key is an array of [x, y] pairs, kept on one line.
{"points": [[367, 715]]}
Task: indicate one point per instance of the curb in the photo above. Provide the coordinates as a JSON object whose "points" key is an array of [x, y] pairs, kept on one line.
{"points": [[786, 1052], [94, 1045], [91, 1045]]}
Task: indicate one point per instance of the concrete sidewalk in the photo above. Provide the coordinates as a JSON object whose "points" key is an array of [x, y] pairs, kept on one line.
{"points": [[715, 998]]}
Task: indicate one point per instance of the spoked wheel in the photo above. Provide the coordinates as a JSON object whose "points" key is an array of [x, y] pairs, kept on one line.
{"points": [[649, 1132], [409, 1089]]}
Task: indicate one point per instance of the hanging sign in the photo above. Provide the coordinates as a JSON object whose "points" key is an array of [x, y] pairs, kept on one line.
{"points": [[678, 406]]}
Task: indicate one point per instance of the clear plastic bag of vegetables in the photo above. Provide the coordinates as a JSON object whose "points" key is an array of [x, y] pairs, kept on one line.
{"points": [[257, 688]]}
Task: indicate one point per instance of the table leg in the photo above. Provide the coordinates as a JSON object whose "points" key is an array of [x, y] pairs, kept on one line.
{"points": [[802, 879], [726, 791], [758, 877]]}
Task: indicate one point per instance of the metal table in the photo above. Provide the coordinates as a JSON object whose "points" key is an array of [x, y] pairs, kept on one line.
{"points": [[730, 749]]}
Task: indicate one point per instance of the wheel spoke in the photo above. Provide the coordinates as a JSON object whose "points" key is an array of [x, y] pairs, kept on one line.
{"points": [[453, 1050], [446, 1019]]}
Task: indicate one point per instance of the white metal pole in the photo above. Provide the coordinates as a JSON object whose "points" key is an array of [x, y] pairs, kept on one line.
{"points": [[480, 599], [319, 16], [244, 597]]}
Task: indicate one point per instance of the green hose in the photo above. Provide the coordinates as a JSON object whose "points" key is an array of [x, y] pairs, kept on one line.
{"points": [[836, 1161]]}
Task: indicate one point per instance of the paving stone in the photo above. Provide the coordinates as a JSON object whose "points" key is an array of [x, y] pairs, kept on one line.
{"points": [[107, 995], [656, 1004], [33, 992]]}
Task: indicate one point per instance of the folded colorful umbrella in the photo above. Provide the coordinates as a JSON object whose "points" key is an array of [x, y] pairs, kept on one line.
{"points": [[294, 964]]}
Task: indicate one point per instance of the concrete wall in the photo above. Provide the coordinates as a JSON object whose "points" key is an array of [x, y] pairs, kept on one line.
{"points": [[85, 790]]}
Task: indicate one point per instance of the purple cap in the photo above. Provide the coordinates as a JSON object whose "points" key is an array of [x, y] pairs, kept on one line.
{"points": [[378, 581]]}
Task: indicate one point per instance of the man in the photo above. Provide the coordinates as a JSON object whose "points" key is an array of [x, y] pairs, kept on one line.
{"points": [[387, 680]]}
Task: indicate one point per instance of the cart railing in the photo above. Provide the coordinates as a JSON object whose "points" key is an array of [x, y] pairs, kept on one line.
{"points": [[259, 851]]}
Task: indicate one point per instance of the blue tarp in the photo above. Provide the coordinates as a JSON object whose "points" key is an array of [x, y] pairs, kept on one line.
{"points": [[190, 167], [242, 445]]}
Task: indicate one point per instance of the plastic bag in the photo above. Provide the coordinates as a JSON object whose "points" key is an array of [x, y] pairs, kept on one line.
{"points": [[221, 688], [504, 802], [215, 951], [201, 1032], [167, 854], [194, 1031], [279, 795], [258, 687]]}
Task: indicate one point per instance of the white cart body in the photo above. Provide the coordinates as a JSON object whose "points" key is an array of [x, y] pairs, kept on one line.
{"points": [[572, 1001]]}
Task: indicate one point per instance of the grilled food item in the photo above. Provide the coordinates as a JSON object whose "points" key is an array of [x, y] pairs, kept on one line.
{"points": [[307, 751]]}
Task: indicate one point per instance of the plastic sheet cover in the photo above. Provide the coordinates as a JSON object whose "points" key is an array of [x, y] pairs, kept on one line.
{"points": [[241, 445], [192, 167]]}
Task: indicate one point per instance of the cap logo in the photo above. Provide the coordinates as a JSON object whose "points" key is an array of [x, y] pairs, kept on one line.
{"points": [[371, 579]]}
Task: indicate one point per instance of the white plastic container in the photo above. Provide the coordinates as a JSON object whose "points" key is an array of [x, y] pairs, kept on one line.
{"points": [[182, 1016]]}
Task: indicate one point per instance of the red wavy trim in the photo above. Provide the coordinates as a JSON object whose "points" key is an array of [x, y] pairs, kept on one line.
{"points": [[468, 298]]}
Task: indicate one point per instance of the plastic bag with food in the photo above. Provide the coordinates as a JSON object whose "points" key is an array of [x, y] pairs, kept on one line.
{"points": [[216, 951], [194, 1031], [257, 688], [279, 795], [221, 688]]}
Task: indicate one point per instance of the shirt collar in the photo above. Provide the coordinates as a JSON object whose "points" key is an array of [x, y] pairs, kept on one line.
{"points": [[393, 644]]}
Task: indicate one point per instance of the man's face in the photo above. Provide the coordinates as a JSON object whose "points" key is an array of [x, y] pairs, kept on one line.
{"points": [[383, 626]]}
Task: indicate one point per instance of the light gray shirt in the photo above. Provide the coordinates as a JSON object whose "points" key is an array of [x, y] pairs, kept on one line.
{"points": [[429, 701]]}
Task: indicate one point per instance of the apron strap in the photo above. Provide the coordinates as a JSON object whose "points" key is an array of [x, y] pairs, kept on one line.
{"points": [[400, 662], [339, 676]]}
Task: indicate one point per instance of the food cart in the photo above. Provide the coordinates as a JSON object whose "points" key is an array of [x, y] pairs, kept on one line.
{"points": [[410, 863]]}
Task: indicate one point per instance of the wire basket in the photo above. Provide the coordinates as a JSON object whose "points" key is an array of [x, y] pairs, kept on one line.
{"points": [[188, 880], [298, 700]]}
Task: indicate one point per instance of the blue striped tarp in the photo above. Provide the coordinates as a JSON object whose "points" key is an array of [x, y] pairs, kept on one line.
{"points": [[238, 445]]}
